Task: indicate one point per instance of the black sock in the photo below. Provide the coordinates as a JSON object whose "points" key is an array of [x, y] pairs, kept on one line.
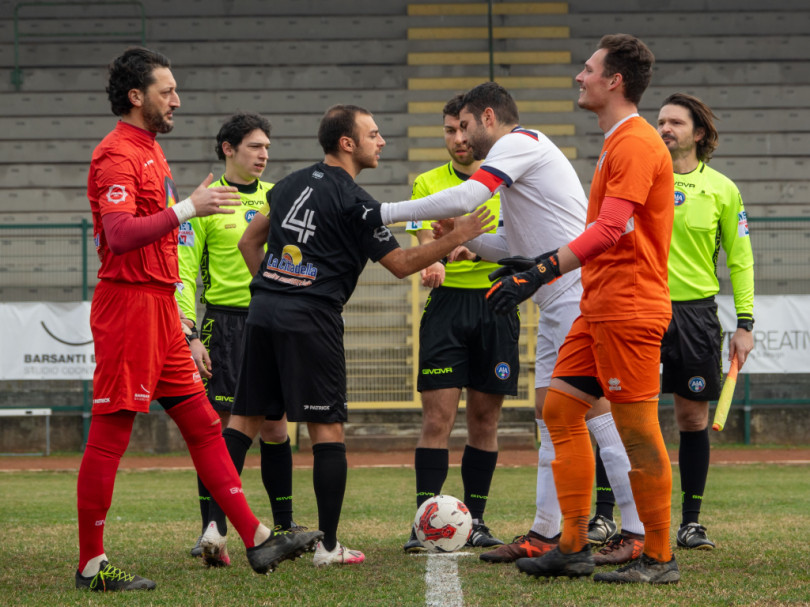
{"points": [[605, 500], [693, 460], [477, 468], [431, 471], [205, 501], [329, 481], [238, 445], [277, 480]]}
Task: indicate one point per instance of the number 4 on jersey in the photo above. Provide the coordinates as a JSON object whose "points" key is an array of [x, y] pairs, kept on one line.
{"points": [[298, 219]]}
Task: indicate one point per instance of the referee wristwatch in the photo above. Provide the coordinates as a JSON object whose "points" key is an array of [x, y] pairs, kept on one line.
{"points": [[745, 323]]}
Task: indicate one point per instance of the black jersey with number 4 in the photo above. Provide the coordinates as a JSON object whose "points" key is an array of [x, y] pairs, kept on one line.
{"points": [[323, 230]]}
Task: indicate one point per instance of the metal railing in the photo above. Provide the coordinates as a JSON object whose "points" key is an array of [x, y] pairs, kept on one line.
{"points": [[53, 263]]}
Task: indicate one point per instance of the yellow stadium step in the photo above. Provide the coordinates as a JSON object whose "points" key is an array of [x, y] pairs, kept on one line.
{"points": [[477, 33], [508, 82], [480, 8], [482, 58]]}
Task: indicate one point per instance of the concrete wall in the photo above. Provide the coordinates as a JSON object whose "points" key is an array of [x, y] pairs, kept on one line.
{"points": [[156, 433]]}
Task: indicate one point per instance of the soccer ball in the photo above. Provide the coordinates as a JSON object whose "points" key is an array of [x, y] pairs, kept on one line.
{"points": [[443, 523]]}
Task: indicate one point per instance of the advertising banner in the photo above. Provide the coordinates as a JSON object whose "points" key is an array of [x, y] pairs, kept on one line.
{"points": [[43, 340]]}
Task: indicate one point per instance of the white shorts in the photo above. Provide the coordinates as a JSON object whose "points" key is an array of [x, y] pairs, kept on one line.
{"points": [[555, 322]]}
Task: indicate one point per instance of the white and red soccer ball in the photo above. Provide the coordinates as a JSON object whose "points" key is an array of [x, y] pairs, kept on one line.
{"points": [[443, 523]]}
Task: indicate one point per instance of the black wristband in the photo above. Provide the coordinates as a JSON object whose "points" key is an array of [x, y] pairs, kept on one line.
{"points": [[745, 323]]}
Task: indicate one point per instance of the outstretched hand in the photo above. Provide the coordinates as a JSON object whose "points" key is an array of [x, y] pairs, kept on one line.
{"points": [[473, 224], [210, 201]]}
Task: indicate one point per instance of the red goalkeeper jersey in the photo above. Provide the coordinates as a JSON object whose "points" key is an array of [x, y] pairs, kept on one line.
{"points": [[130, 174]]}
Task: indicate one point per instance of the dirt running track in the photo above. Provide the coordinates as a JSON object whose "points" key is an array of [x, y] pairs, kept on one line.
{"points": [[521, 457]]}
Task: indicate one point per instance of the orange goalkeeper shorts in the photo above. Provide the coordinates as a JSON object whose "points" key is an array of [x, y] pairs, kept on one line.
{"points": [[624, 356]]}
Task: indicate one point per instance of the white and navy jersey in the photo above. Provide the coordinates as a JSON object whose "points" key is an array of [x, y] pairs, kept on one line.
{"points": [[543, 204], [323, 230]]}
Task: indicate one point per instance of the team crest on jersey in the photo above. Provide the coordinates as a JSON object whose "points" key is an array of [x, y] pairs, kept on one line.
{"points": [[249, 215], [383, 234], [116, 193], [171, 192], [186, 236], [503, 371], [742, 224], [697, 384], [680, 198]]}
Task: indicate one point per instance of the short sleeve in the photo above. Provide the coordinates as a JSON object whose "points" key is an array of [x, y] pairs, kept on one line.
{"points": [[375, 239]]}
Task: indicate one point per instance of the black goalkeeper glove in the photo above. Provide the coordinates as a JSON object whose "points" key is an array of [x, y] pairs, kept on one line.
{"points": [[518, 263], [514, 288]]}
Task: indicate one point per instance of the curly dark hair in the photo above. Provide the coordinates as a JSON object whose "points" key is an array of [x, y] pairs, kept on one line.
{"points": [[132, 70], [237, 127], [702, 118], [630, 57]]}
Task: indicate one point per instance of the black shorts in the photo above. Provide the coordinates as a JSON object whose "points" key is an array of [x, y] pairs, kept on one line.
{"points": [[463, 344], [293, 361], [221, 334], [691, 351]]}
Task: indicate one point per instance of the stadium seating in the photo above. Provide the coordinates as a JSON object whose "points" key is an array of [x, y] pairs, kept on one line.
{"points": [[290, 59]]}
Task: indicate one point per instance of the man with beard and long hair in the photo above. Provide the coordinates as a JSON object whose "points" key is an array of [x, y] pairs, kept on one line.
{"points": [[141, 353]]}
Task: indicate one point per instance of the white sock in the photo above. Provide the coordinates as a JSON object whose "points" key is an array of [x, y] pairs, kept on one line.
{"points": [[547, 516], [617, 467], [261, 534], [94, 565]]}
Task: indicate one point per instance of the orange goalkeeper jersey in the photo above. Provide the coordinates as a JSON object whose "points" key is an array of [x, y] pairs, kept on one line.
{"points": [[629, 280]]}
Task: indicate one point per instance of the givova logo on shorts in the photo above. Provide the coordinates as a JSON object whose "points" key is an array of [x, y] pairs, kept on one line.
{"points": [[437, 371]]}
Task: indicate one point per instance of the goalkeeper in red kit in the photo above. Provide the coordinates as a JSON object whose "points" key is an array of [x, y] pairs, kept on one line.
{"points": [[141, 353]]}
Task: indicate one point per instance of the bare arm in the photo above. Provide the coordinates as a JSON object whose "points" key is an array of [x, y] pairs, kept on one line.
{"points": [[251, 245], [402, 262]]}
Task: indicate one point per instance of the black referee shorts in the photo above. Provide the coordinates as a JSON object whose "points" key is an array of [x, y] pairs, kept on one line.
{"points": [[293, 361], [464, 344], [221, 334], [691, 351]]}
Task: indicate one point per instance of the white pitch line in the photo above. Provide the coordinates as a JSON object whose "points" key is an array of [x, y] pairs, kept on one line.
{"points": [[443, 587]]}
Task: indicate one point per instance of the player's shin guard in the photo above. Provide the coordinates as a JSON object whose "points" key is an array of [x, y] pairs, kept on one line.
{"points": [[693, 463], [617, 466], [547, 512], [237, 445], [431, 467], [650, 472], [573, 465], [276, 468], [106, 442], [329, 469], [477, 469], [201, 427]]}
